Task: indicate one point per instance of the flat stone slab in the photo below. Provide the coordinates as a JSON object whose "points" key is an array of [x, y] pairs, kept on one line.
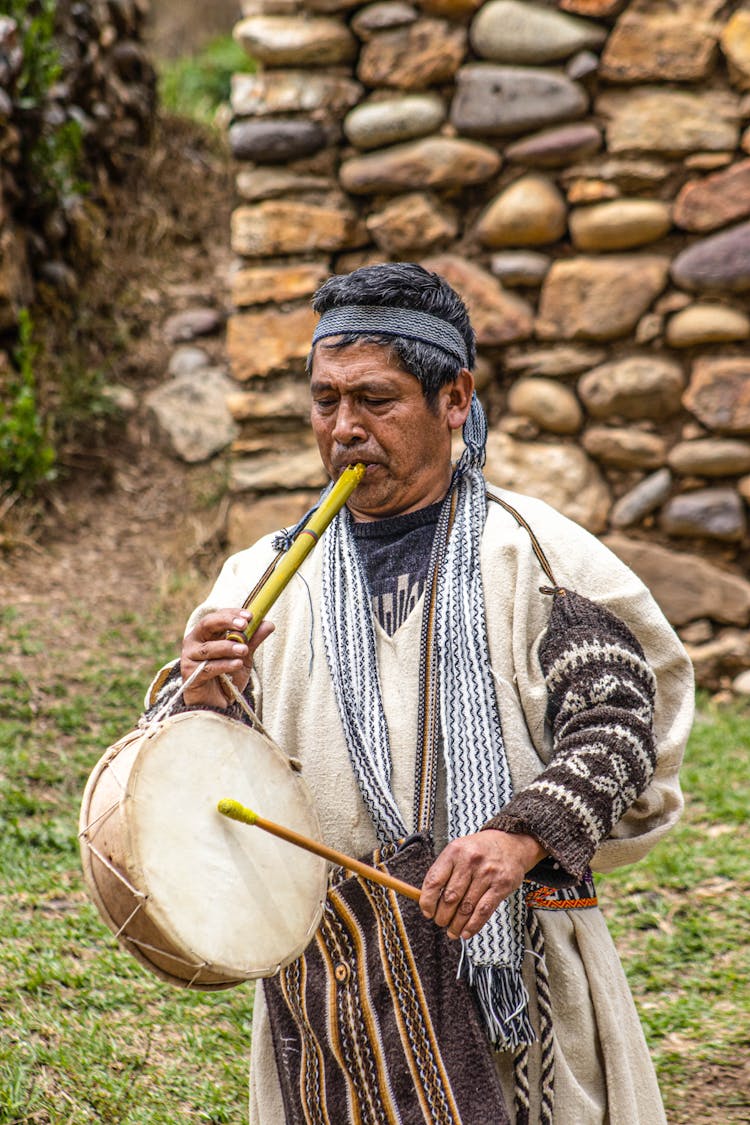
{"points": [[526, 33], [624, 448], [417, 222], [708, 513], [425, 53], [660, 46], [520, 267], [259, 343], [719, 262], [191, 413], [382, 123], [599, 298], [719, 393], [292, 227], [257, 184], [710, 457], [703, 591], [434, 162], [268, 474], [555, 147], [278, 398], [259, 285], [290, 41], [564, 359], [505, 101], [735, 44], [498, 318], [560, 474], [724, 197], [292, 91], [655, 120], [276, 140], [383, 15], [636, 387]]}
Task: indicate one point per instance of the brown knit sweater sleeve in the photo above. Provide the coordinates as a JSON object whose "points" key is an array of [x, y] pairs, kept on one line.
{"points": [[600, 708]]}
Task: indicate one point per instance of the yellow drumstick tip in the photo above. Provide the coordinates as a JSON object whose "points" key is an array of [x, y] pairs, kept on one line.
{"points": [[235, 811]]}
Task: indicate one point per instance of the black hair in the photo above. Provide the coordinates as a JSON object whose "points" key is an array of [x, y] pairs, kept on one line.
{"points": [[404, 285]]}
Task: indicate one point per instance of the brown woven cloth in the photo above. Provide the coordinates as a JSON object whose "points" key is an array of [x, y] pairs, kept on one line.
{"points": [[371, 1025]]}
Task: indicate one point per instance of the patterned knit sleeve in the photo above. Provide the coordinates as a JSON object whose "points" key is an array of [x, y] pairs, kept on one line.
{"points": [[601, 693]]}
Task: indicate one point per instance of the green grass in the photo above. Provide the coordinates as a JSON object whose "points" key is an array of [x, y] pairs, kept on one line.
{"points": [[197, 85], [680, 920], [88, 1035]]}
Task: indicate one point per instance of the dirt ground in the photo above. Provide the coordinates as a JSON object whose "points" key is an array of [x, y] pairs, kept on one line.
{"points": [[126, 514]]}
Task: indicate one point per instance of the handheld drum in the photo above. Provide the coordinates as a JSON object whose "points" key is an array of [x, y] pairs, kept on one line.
{"points": [[191, 894]]}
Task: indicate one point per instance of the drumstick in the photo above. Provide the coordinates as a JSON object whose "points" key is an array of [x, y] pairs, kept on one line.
{"points": [[235, 811]]}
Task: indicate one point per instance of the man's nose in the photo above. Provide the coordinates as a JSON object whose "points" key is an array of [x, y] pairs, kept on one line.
{"points": [[348, 426]]}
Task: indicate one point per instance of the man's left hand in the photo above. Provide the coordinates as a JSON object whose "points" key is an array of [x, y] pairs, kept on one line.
{"points": [[472, 876]]}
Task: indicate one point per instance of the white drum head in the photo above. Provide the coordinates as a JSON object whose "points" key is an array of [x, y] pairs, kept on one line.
{"points": [[229, 895]]}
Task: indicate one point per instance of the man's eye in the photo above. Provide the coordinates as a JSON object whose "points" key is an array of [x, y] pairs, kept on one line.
{"points": [[376, 401], [324, 403]]}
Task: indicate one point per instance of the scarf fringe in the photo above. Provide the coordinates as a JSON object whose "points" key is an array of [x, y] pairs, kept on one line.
{"points": [[503, 1002]]}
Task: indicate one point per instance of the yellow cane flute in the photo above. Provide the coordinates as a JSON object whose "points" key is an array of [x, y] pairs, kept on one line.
{"points": [[299, 550], [235, 811]]}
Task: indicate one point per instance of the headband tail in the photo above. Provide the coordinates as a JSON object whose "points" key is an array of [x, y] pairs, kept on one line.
{"points": [[475, 437]]}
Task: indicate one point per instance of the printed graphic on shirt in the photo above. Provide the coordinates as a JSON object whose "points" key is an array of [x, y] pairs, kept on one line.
{"points": [[391, 607]]}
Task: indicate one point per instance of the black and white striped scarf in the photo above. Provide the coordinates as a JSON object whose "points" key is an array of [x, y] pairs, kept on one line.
{"points": [[470, 731]]}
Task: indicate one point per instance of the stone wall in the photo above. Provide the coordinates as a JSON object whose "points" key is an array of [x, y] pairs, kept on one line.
{"points": [[579, 171], [105, 88]]}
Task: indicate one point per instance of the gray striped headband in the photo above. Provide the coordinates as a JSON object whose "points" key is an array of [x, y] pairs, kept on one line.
{"points": [[386, 320]]}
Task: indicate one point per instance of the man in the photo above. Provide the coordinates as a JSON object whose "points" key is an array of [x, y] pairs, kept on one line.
{"points": [[559, 733]]}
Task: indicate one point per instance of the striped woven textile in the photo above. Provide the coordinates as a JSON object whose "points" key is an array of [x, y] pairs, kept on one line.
{"points": [[371, 1026]]}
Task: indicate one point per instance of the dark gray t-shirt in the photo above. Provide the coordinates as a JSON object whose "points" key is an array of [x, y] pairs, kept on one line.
{"points": [[395, 554]]}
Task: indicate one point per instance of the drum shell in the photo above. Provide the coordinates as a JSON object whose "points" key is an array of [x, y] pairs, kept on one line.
{"points": [[116, 870]]}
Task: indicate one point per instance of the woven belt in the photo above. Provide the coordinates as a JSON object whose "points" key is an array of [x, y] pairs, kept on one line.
{"points": [[580, 897]]}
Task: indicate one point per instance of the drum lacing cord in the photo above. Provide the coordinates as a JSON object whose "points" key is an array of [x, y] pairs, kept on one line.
{"points": [[254, 720], [165, 709], [228, 682], [83, 834], [138, 895]]}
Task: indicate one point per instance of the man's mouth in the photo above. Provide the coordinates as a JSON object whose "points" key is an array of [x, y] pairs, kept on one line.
{"points": [[370, 466]]}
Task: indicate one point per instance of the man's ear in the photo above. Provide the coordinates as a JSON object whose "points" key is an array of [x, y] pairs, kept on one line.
{"points": [[459, 394]]}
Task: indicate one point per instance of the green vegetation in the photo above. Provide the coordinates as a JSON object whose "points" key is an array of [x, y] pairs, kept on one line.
{"points": [[680, 920], [198, 85], [26, 456], [51, 150], [90, 1036]]}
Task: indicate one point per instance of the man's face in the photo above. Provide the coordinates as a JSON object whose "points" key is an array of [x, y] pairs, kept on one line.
{"points": [[365, 407]]}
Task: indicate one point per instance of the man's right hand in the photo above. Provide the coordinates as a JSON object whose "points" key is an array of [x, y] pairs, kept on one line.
{"points": [[208, 642]]}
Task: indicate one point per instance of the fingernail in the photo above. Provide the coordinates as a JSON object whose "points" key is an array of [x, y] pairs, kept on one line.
{"points": [[239, 650], [240, 622]]}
